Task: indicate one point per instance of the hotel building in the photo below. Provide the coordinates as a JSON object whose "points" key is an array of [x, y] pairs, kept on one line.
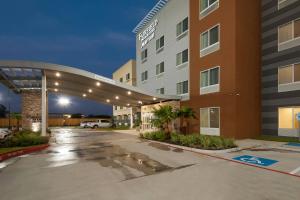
{"points": [[208, 52], [125, 116], [280, 69]]}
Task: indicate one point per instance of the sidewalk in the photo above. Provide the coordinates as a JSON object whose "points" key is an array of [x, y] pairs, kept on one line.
{"points": [[130, 131]]}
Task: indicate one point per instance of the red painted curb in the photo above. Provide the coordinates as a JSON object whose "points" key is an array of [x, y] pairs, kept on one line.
{"points": [[21, 152]]}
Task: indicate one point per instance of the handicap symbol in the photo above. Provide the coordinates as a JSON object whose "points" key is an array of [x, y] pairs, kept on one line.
{"points": [[253, 160]]}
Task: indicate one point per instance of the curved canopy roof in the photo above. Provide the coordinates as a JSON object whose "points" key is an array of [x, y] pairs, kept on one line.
{"points": [[27, 75]]}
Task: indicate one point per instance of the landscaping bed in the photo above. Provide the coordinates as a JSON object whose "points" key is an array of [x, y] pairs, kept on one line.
{"points": [[194, 140]]}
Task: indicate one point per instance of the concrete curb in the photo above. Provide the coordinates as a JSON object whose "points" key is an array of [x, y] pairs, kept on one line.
{"points": [[21, 152], [198, 150]]}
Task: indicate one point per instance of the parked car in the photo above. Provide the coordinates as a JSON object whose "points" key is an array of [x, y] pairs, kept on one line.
{"points": [[4, 133], [101, 123], [84, 124]]}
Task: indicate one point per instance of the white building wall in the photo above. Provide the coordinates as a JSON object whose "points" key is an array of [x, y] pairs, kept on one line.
{"points": [[168, 17]]}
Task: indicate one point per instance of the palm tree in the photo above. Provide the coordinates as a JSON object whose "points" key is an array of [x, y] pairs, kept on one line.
{"points": [[163, 116], [186, 114]]}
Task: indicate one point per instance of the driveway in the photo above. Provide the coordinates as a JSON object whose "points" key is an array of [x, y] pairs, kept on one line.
{"points": [[87, 164]]}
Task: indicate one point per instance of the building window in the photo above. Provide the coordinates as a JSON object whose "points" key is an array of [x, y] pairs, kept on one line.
{"points": [[160, 91], [160, 43], [210, 121], [121, 80], [160, 68], [116, 107], [287, 118], [144, 55], [208, 6], [284, 3], [182, 87], [145, 76], [127, 76], [209, 80], [289, 78], [182, 27], [210, 41], [289, 35], [182, 57]]}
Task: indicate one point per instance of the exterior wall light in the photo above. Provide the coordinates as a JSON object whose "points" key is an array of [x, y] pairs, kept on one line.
{"points": [[129, 92], [117, 97], [98, 84], [84, 95], [90, 90], [107, 100], [56, 84], [57, 74], [55, 90]]}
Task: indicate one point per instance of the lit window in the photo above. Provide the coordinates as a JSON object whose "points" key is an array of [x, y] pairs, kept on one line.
{"points": [[144, 75], [160, 43], [182, 87], [160, 68], [182, 57], [287, 118], [182, 27], [289, 74], [288, 35], [210, 117]]}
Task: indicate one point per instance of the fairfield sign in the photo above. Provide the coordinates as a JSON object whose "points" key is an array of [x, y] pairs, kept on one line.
{"points": [[148, 34]]}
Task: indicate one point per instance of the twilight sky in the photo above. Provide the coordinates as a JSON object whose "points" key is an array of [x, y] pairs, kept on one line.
{"points": [[94, 35]]}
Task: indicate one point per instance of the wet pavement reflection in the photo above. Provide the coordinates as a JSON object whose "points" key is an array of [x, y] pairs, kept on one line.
{"points": [[73, 147]]}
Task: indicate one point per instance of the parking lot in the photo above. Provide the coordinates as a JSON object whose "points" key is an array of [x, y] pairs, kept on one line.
{"points": [[89, 164]]}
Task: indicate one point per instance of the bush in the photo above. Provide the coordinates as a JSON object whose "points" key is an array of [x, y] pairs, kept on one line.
{"points": [[24, 139], [157, 135]]}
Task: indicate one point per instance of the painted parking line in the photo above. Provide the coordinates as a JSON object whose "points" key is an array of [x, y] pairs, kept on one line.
{"points": [[293, 144], [255, 160], [295, 171]]}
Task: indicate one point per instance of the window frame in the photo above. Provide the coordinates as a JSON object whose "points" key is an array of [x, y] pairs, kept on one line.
{"points": [[210, 86], [182, 82], [211, 130], [181, 58], [127, 77], [182, 32], [160, 66], [144, 77], [208, 31], [144, 55], [201, 12], [280, 44], [160, 47], [158, 91], [293, 74]]}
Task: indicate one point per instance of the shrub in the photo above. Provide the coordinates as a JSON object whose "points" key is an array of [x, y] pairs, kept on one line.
{"points": [[157, 135], [24, 139]]}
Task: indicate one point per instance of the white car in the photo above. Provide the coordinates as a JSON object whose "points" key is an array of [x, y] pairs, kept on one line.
{"points": [[84, 124], [101, 123], [4, 133]]}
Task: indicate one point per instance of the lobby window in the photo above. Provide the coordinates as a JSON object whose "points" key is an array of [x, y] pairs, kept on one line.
{"points": [[160, 68], [287, 118], [209, 80], [289, 35], [116, 107], [182, 57], [160, 91], [144, 55], [182, 28], [208, 6], [121, 80], [145, 76], [160, 43], [182, 87], [210, 121], [127, 76], [209, 41], [289, 78]]}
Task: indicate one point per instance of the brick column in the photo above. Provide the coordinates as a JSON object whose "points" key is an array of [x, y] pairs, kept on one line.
{"points": [[31, 108]]}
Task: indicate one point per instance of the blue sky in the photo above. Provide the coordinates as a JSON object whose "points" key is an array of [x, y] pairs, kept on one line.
{"points": [[95, 35]]}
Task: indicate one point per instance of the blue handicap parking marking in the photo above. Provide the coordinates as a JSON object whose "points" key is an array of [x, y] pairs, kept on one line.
{"points": [[294, 144], [255, 160]]}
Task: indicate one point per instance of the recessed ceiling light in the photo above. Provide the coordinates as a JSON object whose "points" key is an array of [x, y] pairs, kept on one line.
{"points": [[154, 98], [57, 74], [140, 102], [128, 104], [90, 90], [98, 83], [129, 92], [117, 97], [84, 95], [56, 84], [107, 100], [55, 90]]}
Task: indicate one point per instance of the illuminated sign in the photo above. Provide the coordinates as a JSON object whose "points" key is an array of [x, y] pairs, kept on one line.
{"points": [[148, 34]]}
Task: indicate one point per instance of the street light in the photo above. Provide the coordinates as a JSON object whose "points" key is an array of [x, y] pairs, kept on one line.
{"points": [[64, 101]]}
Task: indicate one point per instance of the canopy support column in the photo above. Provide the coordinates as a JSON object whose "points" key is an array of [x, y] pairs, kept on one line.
{"points": [[131, 117], [44, 106]]}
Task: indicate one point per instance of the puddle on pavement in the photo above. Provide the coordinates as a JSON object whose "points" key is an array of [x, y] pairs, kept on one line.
{"points": [[164, 147]]}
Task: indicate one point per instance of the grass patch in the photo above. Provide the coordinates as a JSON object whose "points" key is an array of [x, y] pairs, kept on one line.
{"points": [[6, 150], [194, 140], [24, 139], [277, 138]]}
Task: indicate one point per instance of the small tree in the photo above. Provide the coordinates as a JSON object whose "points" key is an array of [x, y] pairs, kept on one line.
{"points": [[18, 117], [186, 114], [163, 116]]}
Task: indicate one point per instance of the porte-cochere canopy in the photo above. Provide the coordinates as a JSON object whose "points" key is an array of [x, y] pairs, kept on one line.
{"points": [[27, 75]]}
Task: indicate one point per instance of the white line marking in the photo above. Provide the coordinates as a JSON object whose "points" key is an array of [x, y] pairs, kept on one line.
{"points": [[295, 171]]}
